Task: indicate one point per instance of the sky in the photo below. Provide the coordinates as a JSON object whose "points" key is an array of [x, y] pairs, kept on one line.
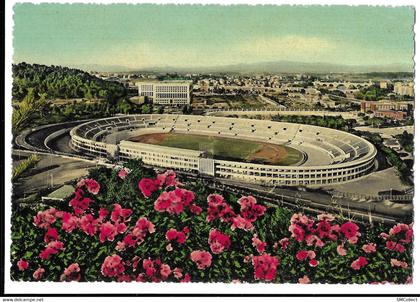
{"points": [[144, 36]]}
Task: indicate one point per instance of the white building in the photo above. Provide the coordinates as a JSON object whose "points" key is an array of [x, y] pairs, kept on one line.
{"points": [[401, 88], [166, 92]]}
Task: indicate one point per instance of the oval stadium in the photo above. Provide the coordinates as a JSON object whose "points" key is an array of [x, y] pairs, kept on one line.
{"points": [[247, 150]]}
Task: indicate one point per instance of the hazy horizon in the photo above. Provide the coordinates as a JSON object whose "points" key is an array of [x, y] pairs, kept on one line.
{"points": [[196, 36]]}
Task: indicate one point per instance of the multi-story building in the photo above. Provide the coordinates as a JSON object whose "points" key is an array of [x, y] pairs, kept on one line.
{"points": [[166, 92], [384, 106], [407, 88], [394, 115]]}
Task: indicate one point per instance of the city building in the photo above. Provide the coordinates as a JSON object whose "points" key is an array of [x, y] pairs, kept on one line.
{"points": [[166, 92], [383, 84], [391, 114], [384, 106], [404, 88]]}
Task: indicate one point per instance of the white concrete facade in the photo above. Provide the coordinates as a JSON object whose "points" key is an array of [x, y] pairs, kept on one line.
{"points": [[335, 156], [166, 92]]}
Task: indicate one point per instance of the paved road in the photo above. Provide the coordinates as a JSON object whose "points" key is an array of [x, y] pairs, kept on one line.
{"points": [[51, 171]]}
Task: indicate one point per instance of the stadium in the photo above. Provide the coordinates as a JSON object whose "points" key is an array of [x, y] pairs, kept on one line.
{"points": [[246, 150]]}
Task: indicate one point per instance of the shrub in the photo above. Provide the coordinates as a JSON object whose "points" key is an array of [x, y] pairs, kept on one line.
{"points": [[111, 231]]}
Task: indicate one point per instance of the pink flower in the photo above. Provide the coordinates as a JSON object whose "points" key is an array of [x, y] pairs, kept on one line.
{"points": [[123, 173], [124, 278], [265, 267], [359, 263], [39, 273], [112, 266], [239, 222], [149, 267], [201, 258], [57, 245], [88, 224], [186, 279], [350, 231], [400, 227], [70, 222], [313, 263], [44, 219], [52, 234], [22, 264], [169, 247], [219, 209], [284, 243], [326, 217], [249, 208], [79, 203], [218, 241], [102, 214], [52, 248], [142, 227], [194, 209], [303, 255], [47, 252], [92, 186], [341, 250], [304, 280], [297, 232], [147, 186], [324, 229], [173, 234], [177, 272], [313, 239], [107, 231], [174, 201], [394, 246], [167, 179], [258, 244], [397, 263], [71, 273], [369, 248], [165, 271], [119, 214]]}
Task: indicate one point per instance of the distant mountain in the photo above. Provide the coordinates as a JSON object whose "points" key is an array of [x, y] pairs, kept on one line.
{"points": [[262, 67]]}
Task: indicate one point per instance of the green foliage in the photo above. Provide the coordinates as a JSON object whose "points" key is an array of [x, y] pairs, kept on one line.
{"points": [[335, 122], [406, 140], [24, 112], [24, 165], [394, 159], [89, 253], [61, 82]]}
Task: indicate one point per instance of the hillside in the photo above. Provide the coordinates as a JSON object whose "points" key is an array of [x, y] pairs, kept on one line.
{"points": [[61, 82]]}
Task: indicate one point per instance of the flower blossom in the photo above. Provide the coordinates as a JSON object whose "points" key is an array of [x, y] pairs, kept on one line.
{"points": [[350, 231], [218, 241], [369, 248], [359, 263], [39, 273], [265, 267], [397, 263], [174, 235], [91, 185], [44, 219], [201, 258], [148, 186], [174, 201], [71, 273], [258, 244], [22, 264], [112, 266]]}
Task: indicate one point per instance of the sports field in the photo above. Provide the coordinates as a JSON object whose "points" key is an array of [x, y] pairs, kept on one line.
{"points": [[226, 148]]}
